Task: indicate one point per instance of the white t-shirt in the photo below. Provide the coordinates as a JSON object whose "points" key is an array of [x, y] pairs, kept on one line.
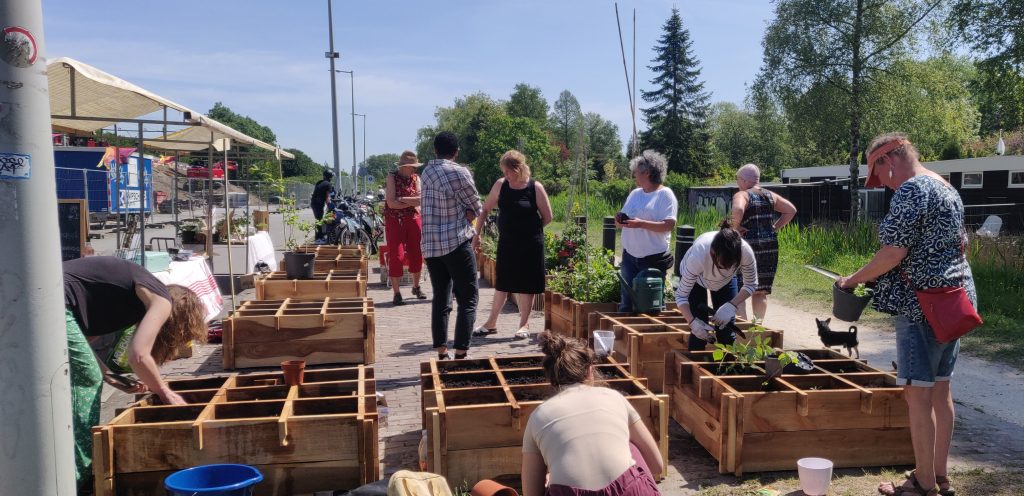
{"points": [[657, 206], [697, 267]]}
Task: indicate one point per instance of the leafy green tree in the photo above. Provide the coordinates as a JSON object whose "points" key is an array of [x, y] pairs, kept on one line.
{"points": [[677, 118], [466, 118], [774, 145], [929, 100], [503, 133], [527, 101], [998, 90], [565, 121], [603, 143], [302, 166], [245, 124], [733, 135], [993, 28], [380, 165], [841, 43]]}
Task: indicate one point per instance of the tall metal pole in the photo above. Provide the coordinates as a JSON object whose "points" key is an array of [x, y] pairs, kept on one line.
{"points": [[140, 166], [355, 179], [332, 55], [226, 142], [36, 441], [366, 186]]}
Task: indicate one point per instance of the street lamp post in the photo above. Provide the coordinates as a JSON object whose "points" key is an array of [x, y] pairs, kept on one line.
{"points": [[332, 55], [352, 76], [365, 186]]}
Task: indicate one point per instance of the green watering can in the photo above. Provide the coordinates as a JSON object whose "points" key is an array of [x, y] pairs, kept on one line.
{"points": [[647, 291]]}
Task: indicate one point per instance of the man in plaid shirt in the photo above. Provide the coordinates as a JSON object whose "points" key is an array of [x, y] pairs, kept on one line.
{"points": [[449, 203]]}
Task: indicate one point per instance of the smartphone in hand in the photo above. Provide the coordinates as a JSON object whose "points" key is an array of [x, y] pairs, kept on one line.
{"points": [[621, 217]]}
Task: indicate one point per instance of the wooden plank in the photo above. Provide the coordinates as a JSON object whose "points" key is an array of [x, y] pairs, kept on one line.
{"points": [[845, 448], [278, 479], [467, 466]]}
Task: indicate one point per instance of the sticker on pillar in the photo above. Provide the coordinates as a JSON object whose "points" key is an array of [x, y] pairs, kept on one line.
{"points": [[15, 166], [19, 48]]}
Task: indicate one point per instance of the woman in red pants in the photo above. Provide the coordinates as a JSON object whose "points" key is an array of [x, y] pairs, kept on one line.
{"points": [[402, 225]]}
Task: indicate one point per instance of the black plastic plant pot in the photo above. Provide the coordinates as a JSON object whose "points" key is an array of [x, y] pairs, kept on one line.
{"points": [[299, 265], [847, 306], [188, 237]]}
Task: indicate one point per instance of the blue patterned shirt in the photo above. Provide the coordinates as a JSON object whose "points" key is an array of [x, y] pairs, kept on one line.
{"points": [[926, 216], [447, 192]]}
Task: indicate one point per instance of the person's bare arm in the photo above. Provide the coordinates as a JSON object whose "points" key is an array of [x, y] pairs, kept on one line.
{"points": [[787, 212], [543, 204], [492, 200], [739, 205], [140, 354], [389, 194], [535, 471], [644, 441], [886, 259], [651, 225]]}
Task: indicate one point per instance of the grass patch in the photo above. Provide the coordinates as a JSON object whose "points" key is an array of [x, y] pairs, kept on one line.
{"points": [[848, 482]]}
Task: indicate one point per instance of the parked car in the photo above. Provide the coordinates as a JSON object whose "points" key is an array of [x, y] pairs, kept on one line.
{"points": [[201, 172]]}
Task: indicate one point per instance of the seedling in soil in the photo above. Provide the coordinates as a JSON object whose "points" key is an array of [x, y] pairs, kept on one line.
{"points": [[746, 355], [862, 291]]}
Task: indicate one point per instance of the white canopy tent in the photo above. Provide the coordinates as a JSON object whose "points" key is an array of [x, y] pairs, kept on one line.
{"points": [[86, 99]]}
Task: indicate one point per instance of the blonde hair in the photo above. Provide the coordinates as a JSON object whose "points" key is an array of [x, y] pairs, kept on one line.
{"points": [[187, 322], [515, 162], [908, 151]]}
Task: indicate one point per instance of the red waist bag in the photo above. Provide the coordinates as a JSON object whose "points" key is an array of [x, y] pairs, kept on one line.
{"points": [[949, 312]]}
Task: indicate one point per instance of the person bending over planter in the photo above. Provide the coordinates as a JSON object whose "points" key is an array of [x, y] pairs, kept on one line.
{"points": [[589, 439], [104, 295], [711, 264], [923, 239], [523, 211], [646, 219]]}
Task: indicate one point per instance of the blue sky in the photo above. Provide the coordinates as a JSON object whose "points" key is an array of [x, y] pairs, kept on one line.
{"points": [[265, 59]]}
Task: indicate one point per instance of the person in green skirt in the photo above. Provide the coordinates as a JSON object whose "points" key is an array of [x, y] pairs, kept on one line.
{"points": [[106, 295]]}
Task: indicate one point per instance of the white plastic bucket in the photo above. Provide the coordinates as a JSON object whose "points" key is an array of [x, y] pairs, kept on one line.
{"points": [[604, 341], [815, 475]]}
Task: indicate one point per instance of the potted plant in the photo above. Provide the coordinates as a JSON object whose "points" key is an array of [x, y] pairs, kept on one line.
{"points": [[189, 229], [848, 304], [298, 265]]}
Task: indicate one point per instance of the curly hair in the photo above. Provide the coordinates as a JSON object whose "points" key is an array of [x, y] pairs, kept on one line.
{"points": [[566, 361], [186, 323]]}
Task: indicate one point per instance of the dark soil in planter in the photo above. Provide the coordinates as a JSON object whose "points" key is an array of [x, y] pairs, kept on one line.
{"points": [[467, 367], [483, 399], [459, 383], [537, 377], [606, 373], [729, 369], [533, 395]]}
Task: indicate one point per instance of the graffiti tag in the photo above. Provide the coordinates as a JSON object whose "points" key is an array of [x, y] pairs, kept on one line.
{"points": [[15, 166]]}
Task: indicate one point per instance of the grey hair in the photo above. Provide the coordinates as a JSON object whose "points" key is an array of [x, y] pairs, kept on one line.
{"points": [[651, 162]]}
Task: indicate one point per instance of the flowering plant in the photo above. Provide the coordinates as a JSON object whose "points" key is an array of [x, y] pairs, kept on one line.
{"points": [[561, 249]]}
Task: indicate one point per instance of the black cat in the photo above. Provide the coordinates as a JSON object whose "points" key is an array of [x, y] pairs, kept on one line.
{"points": [[831, 338]]}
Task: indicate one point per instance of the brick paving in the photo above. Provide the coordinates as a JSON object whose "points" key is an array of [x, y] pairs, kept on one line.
{"points": [[403, 341]]}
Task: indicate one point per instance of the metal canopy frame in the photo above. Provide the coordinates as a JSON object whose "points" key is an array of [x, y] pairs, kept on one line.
{"points": [[235, 137]]}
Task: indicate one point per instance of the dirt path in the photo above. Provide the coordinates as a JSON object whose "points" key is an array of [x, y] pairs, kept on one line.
{"points": [[989, 396]]}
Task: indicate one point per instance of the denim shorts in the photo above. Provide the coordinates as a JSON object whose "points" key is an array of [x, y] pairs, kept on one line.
{"points": [[920, 359]]}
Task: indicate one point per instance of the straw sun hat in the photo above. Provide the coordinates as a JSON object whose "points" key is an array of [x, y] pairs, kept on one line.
{"points": [[408, 158]]}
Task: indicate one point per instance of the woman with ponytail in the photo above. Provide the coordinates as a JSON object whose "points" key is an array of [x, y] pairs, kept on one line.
{"points": [[587, 440], [711, 265]]}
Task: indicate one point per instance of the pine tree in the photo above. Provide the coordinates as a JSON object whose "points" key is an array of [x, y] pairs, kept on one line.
{"points": [[677, 119]]}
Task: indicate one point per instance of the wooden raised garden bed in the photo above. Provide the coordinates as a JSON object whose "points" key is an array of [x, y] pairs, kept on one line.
{"points": [[474, 412], [846, 411], [337, 262], [568, 317], [347, 251], [326, 330], [319, 436], [330, 284], [642, 340]]}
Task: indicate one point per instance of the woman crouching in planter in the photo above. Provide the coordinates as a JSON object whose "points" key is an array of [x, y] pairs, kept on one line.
{"points": [[589, 439], [104, 295]]}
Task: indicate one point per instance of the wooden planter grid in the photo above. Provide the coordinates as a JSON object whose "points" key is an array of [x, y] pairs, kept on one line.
{"points": [[846, 411], [321, 435], [568, 317], [324, 263], [263, 333], [329, 284], [330, 251], [487, 402], [642, 340]]}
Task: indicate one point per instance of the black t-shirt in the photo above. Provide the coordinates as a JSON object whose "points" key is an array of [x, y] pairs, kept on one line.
{"points": [[100, 291], [321, 191]]}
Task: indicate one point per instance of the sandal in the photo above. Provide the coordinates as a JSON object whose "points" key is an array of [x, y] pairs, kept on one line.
{"points": [[483, 331], [940, 481], [914, 490], [461, 356], [522, 333]]}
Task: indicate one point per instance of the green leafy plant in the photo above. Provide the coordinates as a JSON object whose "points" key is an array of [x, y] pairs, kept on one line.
{"points": [[295, 226], [589, 277], [191, 226], [862, 291], [746, 356], [560, 250]]}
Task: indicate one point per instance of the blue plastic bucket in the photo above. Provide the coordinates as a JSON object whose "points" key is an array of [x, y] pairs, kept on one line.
{"points": [[214, 480]]}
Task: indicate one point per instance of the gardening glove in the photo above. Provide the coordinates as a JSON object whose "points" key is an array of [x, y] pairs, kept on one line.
{"points": [[702, 330], [725, 314]]}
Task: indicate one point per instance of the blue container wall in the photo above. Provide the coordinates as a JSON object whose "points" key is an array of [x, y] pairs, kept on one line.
{"points": [[72, 182]]}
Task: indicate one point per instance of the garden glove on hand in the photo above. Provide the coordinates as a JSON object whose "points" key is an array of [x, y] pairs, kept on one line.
{"points": [[702, 330], [725, 314]]}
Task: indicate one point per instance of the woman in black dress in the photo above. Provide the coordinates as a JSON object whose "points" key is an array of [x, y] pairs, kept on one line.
{"points": [[523, 211]]}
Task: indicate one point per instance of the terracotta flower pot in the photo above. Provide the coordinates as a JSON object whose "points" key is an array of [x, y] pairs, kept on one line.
{"points": [[491, 488], [293, 371]]}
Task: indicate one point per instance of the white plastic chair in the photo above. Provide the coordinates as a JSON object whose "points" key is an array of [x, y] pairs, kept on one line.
{"points": [[991, 226]]}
